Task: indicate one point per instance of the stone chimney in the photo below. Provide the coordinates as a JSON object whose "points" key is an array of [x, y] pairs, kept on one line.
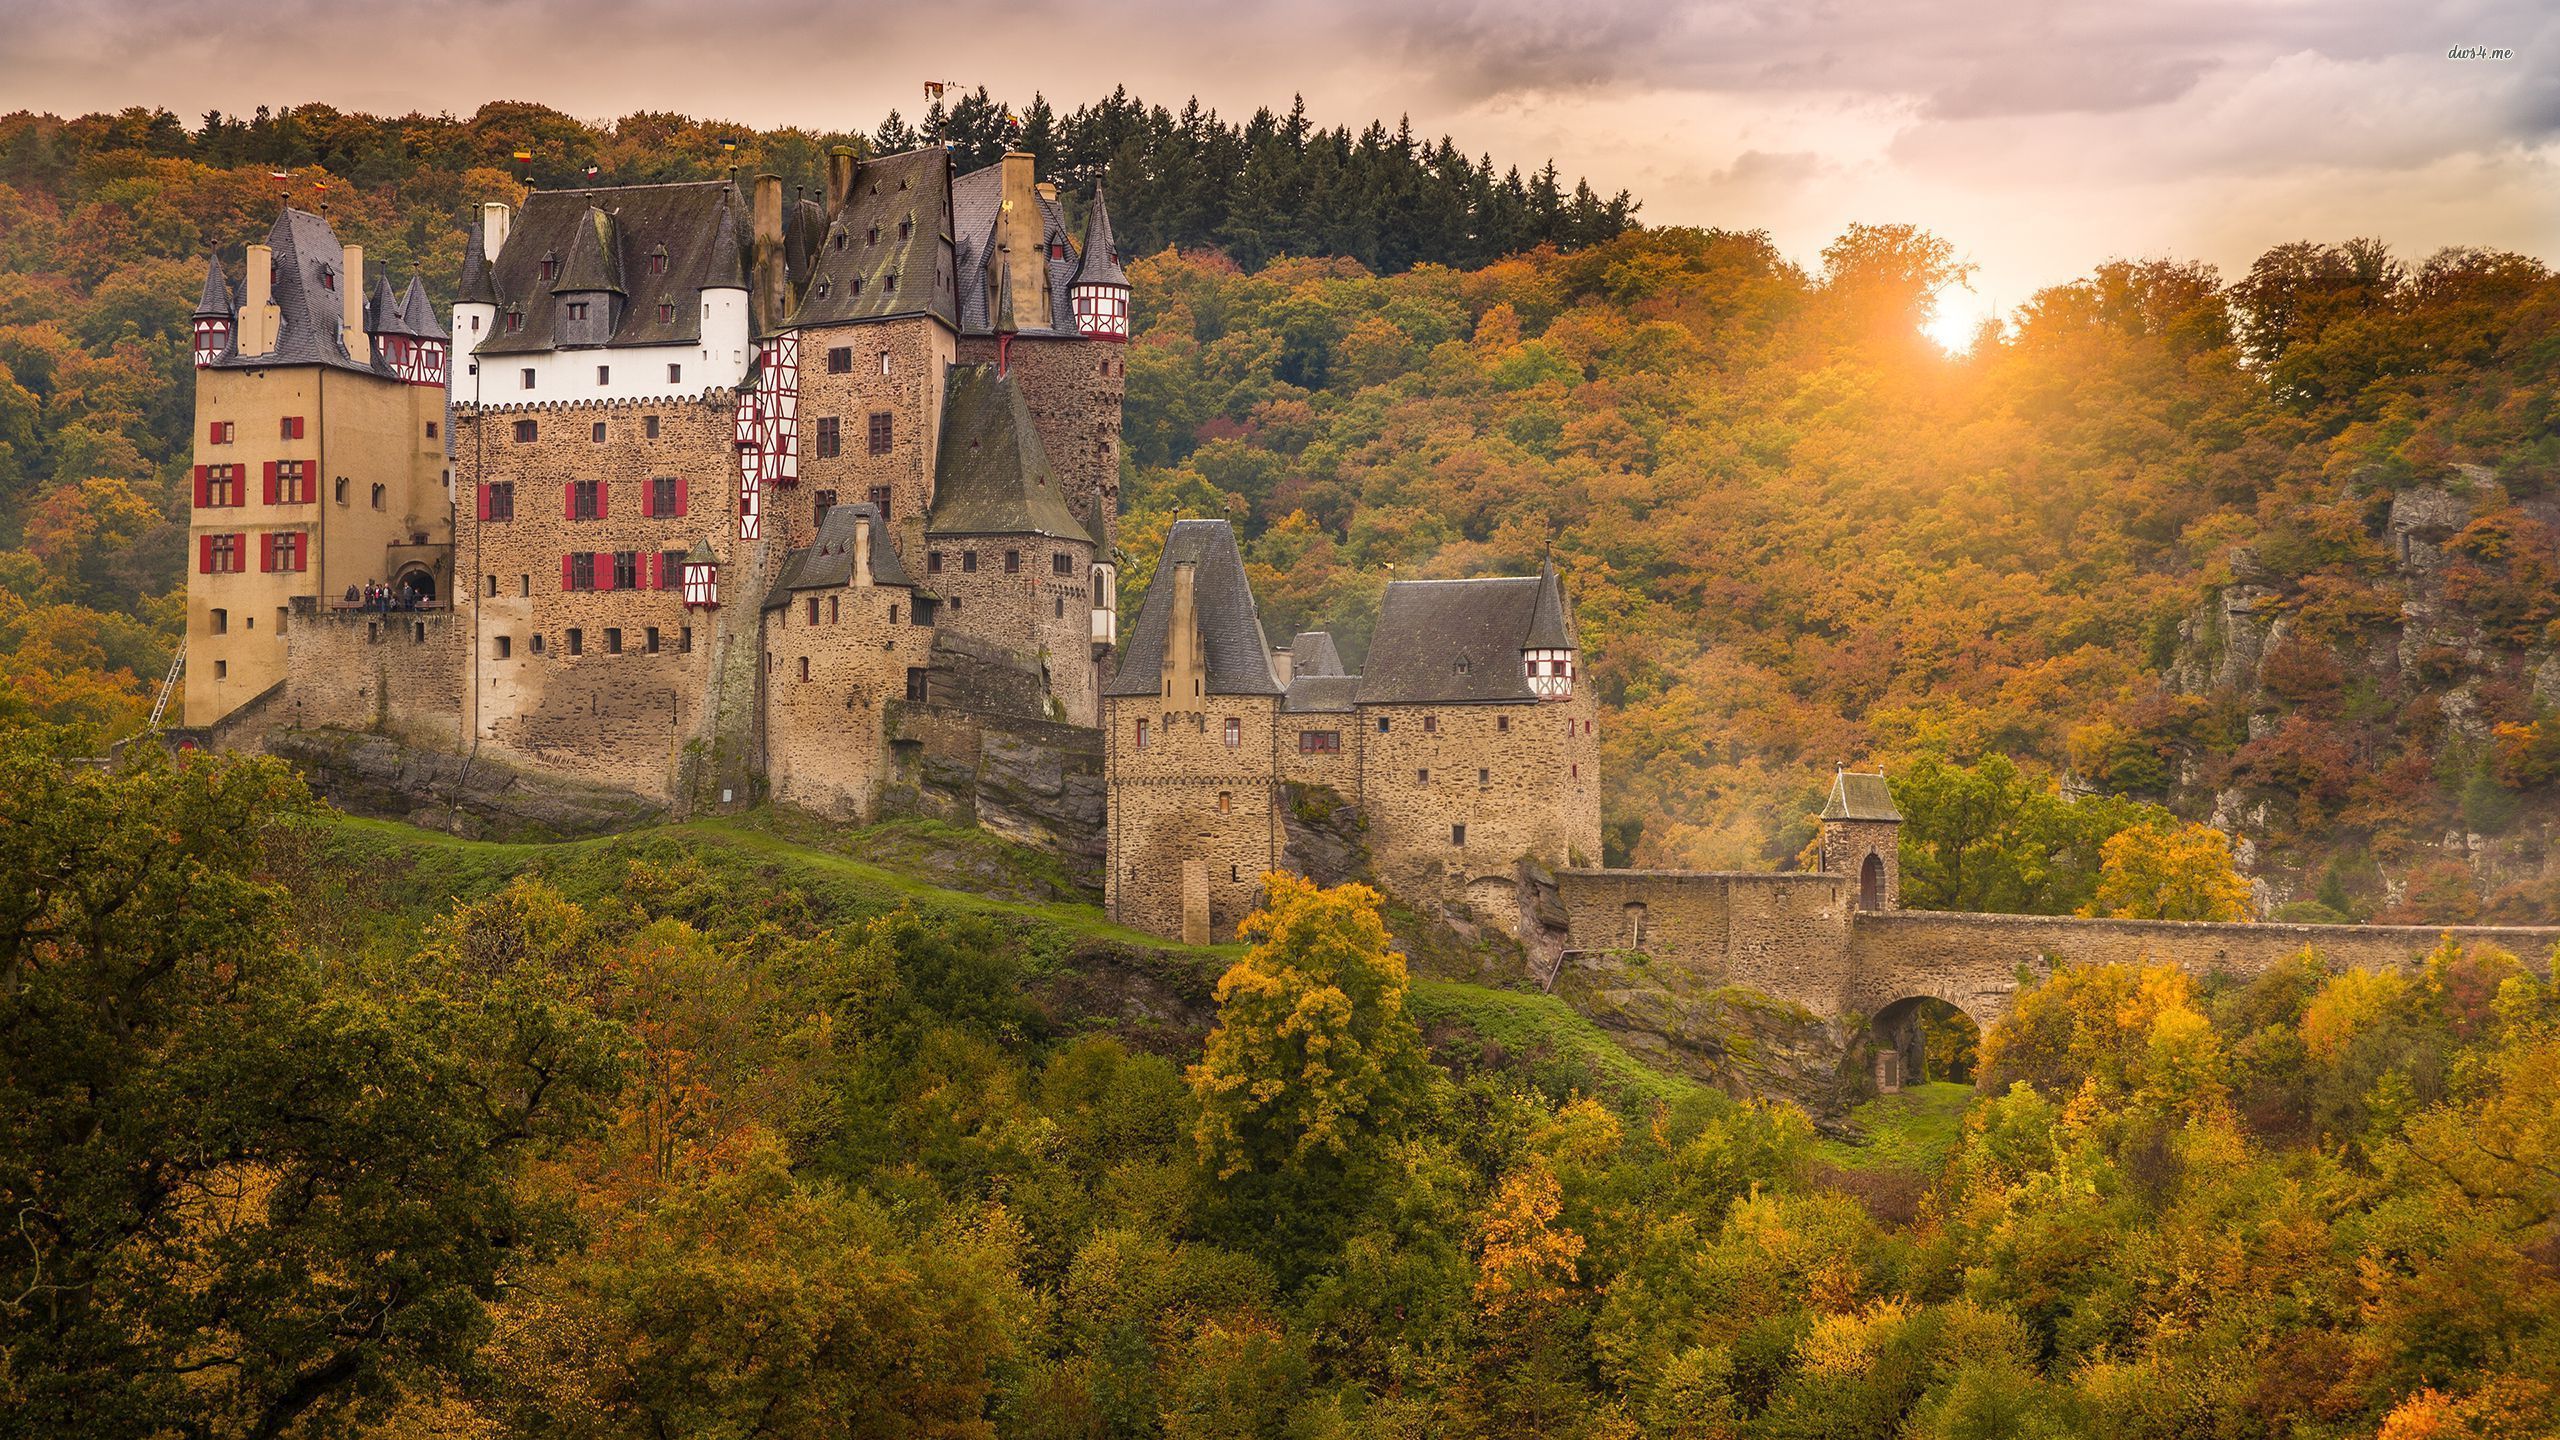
{"points": [[861, 552], [351, 306], [496, 218], [840, 168], [258, 302], [770, 285], [1182, 662], [1020, 234]]}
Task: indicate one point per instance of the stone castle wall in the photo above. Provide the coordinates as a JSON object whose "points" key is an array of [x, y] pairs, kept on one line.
{"points": [[1194, 822], [1028, 780], [1523, 780], [917, 350], [1035, 599], [611, 686], [398, 674], [1783, 935], [828, 682]]}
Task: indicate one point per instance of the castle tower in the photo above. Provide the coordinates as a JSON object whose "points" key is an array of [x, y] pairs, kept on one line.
{"points": [[589, 292], [1547, 654], [1100, 292], [215, 322], [1861, 837], [475, 306], [319, 457]]}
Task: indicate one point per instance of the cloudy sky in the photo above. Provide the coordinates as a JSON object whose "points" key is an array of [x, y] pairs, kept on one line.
{"points": [[2040, 138]]}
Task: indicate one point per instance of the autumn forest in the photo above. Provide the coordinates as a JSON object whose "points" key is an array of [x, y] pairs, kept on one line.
{"points": [[734, 1129]]}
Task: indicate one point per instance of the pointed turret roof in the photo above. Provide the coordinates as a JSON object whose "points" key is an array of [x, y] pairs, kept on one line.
{"points": [[595, 262], [476, 288], [216, 299], [418, 310], [1101, 261], [1551, 622], [990, 475], [382, 308], [724, 267]]}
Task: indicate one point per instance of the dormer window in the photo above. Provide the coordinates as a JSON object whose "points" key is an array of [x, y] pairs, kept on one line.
{"points": [[577, 309], [328, 278], [822, 289], [658, 261], [839, 239], [906, 228], [857, 284], [515, 321], [889, 281], [666, 313], [550, 266]]}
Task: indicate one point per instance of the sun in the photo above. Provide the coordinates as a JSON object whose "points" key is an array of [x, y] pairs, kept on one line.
{"points": [[1956, 319]]}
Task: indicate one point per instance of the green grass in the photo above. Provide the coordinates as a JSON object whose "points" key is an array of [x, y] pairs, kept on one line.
{"points": [[398, 878], [1548, 1034], [1912, 1131]]}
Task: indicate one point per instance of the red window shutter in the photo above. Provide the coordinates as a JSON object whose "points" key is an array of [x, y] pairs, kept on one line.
{"points": [[601, 488], [240, 551], [484, 499], [204, 550], [270, 495], [267, 553], [568, 571], [648, 500], [569, 501], [297, 427], [204, 486], [604, 565], [213, 432], [681, 496]]}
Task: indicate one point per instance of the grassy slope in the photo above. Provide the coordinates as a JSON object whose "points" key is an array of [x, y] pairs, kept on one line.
{"points": [[1911, 1132], [401, 876]]}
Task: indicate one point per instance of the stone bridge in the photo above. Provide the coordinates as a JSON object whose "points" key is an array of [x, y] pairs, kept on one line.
{"points": [[1803, 938]]}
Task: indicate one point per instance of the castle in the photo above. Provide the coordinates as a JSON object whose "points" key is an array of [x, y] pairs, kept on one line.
{"points": [[696, 484], [706, 496]]}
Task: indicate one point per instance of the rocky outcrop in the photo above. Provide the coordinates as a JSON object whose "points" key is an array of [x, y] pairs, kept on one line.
{"points": [[1031, 781], [377, 776], [1323, 835], [1737, 1040]]}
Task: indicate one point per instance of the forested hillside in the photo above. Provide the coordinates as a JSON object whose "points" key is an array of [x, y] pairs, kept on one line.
{"points": [[695, 1133], [2277, 550]]}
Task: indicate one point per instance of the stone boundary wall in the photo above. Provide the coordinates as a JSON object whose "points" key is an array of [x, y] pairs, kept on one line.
{"points": [[400, 673], [1783, 935], [1972, 961]]}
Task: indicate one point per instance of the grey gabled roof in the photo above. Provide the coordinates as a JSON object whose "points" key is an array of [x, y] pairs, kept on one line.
{"points": [[476, 287], [216, 299], [1314, 653], [990, 474], [977, 205], [1860, 797], [826, 563], [1452, 641], [1321, 694], [850, 277], [684, 217], [1101, 265], [1238, 657], [595, 256]]}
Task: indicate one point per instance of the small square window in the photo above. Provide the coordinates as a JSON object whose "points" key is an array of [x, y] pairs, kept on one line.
{"points": [[536, 646], [1458, 836], [527, 374], [525, 432], [1502, 723], [675, 374], [577, 641], [1421, 777], [613, 640], [1382, 724], [840, 358], [968, 562], [597, 434], [649, 426], [1013, 562], [604, 374], [506, 647], [653, 640]]}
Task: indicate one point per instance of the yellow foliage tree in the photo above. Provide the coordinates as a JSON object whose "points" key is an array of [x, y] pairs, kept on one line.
{"points": [[2170, 873], [1313, 1049], [1527, 1259]]}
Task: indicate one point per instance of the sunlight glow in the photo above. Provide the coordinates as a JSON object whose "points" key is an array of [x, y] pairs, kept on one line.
{"points": [[1957, 317]]}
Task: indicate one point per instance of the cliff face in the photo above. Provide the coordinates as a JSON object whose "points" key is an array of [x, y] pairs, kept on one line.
{"points": [[2355, 724]]}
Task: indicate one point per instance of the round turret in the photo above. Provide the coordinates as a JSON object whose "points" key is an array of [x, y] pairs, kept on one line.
{"points": [[1099, 293]]}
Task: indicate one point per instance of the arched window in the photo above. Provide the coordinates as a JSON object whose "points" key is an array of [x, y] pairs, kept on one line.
{"points": [[1871, 882]]}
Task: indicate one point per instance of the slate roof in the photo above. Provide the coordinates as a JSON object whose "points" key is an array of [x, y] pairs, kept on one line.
{"points": [[1551, 624], [1314, 653], [1860, 797], [826, 563], [849, 279], [311, 314], [595, 257], [977, 214], [1321, 694], [1454, 641], [1238, 657], [724, 264], [216, 299], [1101, 264], [990, 474], [683, 217], [418, 311]]}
